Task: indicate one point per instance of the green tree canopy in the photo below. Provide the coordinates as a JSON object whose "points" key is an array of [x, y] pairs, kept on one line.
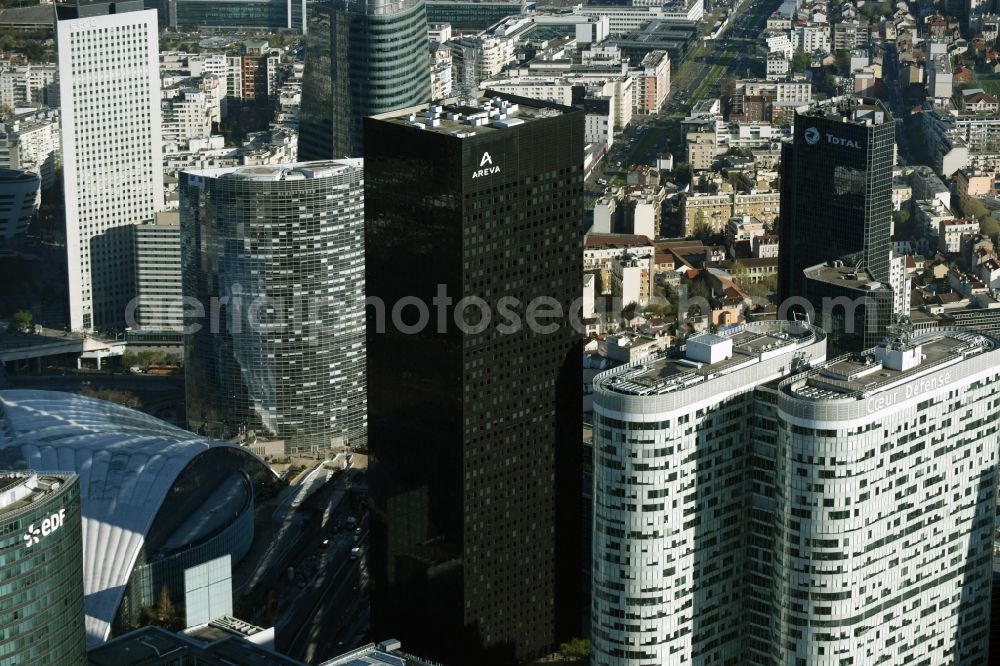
{"points": [[21, 321], [989, 226], [575, 648], [800, 60]]}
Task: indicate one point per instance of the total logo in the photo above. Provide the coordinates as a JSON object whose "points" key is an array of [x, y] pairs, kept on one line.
{"points": [[486, 167], [35, 534], [812, 137]]}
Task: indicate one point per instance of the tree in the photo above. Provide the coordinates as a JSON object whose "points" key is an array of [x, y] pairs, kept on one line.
{"points": [[630, 311], [124, 398], [800, 60], [129, 359], [988, 226], [905, 225], [659, 310], [22, 321], [740, 273], [702, 231], [842, 61], [972, 207], [682, 173], [575, 648]]}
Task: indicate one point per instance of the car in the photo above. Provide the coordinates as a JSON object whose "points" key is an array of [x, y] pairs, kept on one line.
{"points": [[355, 552]]}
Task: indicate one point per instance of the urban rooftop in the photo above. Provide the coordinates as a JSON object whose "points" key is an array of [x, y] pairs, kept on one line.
{"points": [[462, 120], [706, 356], [848, 109], [898, 360]]}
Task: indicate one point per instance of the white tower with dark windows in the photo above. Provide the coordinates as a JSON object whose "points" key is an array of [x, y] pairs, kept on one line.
{"points": [[112, 153]]}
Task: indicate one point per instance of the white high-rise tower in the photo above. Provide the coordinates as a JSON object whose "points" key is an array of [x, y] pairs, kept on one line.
{"points": [[112, 155]]}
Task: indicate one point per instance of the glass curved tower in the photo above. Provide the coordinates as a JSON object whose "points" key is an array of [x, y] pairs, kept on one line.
{"points": [[41, 566], [274, 258], [363, 58]]}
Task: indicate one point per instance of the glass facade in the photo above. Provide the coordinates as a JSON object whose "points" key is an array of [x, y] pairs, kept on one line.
{"points": [[475, 433], [271, 14], [473, 15], [836, 193], [41, 570], [363, 58], [275, 257]]}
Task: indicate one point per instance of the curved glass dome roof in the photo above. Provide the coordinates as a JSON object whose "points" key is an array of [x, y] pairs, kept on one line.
{"points": [[127, 462]]}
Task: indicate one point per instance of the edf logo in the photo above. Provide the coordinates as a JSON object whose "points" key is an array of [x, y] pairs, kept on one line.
{"points": [[49, 525]]}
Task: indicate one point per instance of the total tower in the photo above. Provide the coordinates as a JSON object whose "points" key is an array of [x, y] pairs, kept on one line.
{"points": [[836, 219]]}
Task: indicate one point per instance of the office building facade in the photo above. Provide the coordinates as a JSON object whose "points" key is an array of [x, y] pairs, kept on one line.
{"points": [[363, 58], [857, 525], [111, 150], [41, 569], [262, 14], [672, 437], [836, 198], [476, 466], [275, 256], [157, 313], [20, 195], [884, 504]]}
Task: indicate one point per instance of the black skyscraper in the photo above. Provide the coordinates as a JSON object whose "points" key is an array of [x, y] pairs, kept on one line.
{"points": [[836, 191], [475, 433]]}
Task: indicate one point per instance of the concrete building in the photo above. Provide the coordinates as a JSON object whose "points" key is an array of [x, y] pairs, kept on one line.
{"points": [[158, 313], [187, 115], [225, 641], [625, 19], [289, 360], [950, 233], [838, 456], [29, 85], [939, 76], [41, 564], [111, 151], [476, 58], [20, 195], [670, 493], [713, 210], [812, 38], [31, 142], [702, 149], [778, 66], [652, 82], [632, 278], [885, 464]]}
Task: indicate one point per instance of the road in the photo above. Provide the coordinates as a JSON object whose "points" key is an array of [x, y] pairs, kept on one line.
{"points": [[733, 54], [330, 614]]}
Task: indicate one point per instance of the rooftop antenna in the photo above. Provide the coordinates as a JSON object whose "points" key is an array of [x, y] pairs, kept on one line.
{"points": [[899, 335]]}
